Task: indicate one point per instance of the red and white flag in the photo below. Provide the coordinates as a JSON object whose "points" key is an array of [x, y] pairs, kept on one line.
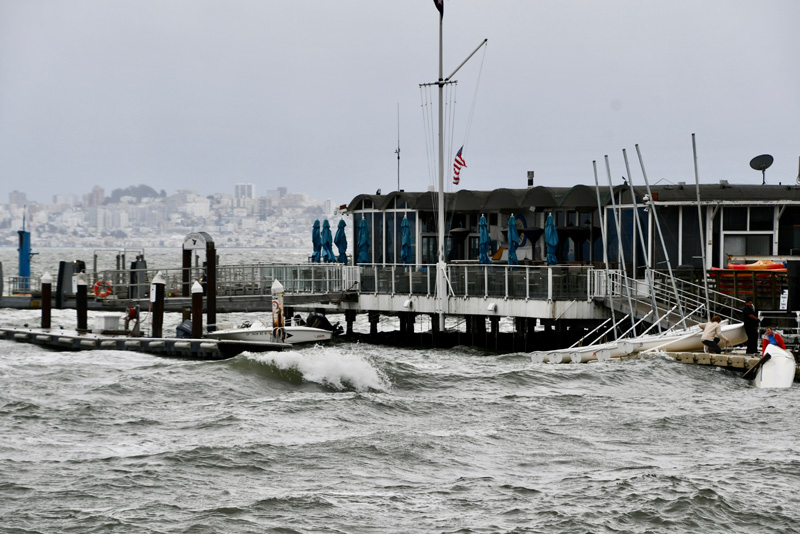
{"points": [[459, 162]]}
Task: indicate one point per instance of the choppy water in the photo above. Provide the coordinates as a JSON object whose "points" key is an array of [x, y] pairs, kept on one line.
{"points": [[358, 438], [363, 439]]}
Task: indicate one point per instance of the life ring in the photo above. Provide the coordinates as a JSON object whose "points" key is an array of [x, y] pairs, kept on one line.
{"points": [[102, 289]]}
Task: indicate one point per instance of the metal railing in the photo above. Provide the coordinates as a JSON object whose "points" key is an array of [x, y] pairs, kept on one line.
{"points": [[235, 280], [505, 281], [24, 285], [673, 296]]}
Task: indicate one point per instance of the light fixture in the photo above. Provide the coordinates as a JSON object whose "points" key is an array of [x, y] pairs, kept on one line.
{"points": [[492, 307], [408, 304]]}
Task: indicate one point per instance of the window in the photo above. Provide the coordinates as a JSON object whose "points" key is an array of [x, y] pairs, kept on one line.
{"points": [[734, 218], [761, 218]]}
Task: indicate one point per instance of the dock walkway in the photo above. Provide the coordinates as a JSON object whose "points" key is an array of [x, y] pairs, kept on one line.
{"points": [[195, 349]]}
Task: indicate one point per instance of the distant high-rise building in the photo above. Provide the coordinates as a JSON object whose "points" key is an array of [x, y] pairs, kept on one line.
{"points": [[282, 191], [17, 198], [245, 190], [95, 198]]}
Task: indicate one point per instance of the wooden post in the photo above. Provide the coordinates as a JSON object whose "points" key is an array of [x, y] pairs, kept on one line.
{"points": [[374, 317], [82, 304], [211, 285], [350, 318], [197, 310], [186, 287], [495, 320], [47, 290], [157, 297]]}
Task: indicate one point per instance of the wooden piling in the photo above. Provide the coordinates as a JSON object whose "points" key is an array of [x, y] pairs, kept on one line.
{"points": [[197, 310], [158, 306], [47, 289], [82, 304]]}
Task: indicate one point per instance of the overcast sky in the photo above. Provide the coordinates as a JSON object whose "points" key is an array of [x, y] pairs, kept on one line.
{"points": [[201, 94]]}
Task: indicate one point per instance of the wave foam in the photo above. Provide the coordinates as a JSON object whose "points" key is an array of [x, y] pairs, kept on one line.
{"points": [[329, 367]]}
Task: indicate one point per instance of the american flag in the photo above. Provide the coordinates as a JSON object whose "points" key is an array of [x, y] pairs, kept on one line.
{"points": [[459, 162], [440, 6]]}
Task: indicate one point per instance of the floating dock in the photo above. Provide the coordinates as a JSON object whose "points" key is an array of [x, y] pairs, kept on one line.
{"points": [[193, 349], [731, 361]]}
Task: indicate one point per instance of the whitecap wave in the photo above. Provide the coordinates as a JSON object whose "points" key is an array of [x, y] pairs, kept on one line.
{"points": [[329, 366]]}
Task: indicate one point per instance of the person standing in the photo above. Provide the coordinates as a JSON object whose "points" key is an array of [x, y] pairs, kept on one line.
{"points": [[712, 332], [750, 321], [771, 338]]}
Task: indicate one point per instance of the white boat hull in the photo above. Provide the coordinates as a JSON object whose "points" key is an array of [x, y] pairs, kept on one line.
{"points": [[778, 371], [677, 341], [257, 332]]}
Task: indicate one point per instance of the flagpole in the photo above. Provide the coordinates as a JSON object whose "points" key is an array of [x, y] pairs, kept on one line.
{"points": [[441, 266]]}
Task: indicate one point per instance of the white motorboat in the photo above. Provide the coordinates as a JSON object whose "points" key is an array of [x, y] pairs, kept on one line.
{"points": [[776, 369], [295, 334], [258, 332]]}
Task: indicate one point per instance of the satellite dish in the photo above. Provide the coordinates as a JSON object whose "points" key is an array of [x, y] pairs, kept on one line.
{"points": [[761, 163]]}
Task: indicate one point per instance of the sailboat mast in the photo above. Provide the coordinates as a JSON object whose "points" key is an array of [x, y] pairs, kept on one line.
{"points": [[398, 146]]}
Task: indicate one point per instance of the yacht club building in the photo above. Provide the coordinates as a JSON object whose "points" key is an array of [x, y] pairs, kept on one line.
{"points": [[738, 221]]}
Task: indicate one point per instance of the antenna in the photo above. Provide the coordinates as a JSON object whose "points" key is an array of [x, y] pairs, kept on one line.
{"points": [[761, 163], [398, 146]]}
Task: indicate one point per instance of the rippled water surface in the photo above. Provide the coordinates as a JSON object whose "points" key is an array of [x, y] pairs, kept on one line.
{"points": [[360, 438]]}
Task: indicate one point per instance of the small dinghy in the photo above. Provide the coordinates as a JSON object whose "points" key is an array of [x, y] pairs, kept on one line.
{"points": [[775, 369]]}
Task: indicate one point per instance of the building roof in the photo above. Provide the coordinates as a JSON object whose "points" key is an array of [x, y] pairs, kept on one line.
{"points": [[579, 198]]}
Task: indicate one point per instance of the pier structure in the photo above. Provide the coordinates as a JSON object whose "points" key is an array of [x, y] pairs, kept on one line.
{"points": [[605, 265]]}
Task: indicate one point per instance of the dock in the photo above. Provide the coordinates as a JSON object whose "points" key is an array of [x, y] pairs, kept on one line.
{"points": [[731, 361], [183, 348]]}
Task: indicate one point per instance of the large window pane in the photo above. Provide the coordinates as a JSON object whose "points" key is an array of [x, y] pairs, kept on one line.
{"points": [[734, 218], [761, 218]]}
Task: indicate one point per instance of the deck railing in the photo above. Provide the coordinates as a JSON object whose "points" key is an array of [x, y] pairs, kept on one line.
{"points": [[503, 281]]}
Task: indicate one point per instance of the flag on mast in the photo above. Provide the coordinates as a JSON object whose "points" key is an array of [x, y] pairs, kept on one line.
{"points": [[457, 164], [440, 6]]}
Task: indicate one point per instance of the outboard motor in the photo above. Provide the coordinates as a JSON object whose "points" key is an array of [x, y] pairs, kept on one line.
{"points": [[318, 320], [184, 330]]}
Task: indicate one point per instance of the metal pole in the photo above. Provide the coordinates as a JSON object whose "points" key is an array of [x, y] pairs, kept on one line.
{"points": [[441, 282], [398, 147], [647, 266], [701, 224], [661, 237], [620, 251], [605, 254]]}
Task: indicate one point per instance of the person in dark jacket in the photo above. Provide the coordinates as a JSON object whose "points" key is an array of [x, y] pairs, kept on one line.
{"points": [[750, 320]]}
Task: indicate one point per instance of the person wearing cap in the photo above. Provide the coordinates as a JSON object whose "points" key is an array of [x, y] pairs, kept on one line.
{"points": [[750, 321], [771, 338]]}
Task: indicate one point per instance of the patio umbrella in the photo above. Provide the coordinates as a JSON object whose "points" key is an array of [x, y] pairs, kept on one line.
{"points": [[327, 243], [363, 242], [483, 243], [513, 240], [316, 241], [551, 239], [405, 241], [340, 239]]}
